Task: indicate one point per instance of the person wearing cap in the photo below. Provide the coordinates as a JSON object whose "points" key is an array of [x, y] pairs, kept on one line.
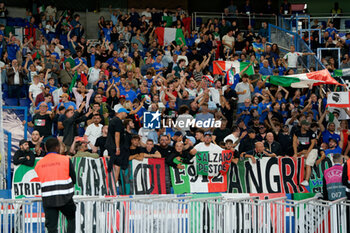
{"points": [[115, 143], [304, 144], [120, 104], [24, 155], [206, 145], [65, 102]]}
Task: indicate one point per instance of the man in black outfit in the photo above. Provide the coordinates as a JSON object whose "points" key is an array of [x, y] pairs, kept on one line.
{"points": [[164, 148], [115, 143], [24, 155]]}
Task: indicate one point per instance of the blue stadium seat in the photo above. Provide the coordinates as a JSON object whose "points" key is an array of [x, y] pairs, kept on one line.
{"points": [[24, 102], [347, 23], [199, 21], [11, 102]]}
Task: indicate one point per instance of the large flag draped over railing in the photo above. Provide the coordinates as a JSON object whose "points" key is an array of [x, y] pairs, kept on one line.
{"points": [[153, 176], [303, 80]]}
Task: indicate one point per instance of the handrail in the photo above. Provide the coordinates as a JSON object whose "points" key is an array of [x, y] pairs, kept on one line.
{"points": [[9, 157]]}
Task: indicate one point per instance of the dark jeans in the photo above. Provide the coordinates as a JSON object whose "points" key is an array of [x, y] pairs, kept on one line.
{"points": [[51, 217]]}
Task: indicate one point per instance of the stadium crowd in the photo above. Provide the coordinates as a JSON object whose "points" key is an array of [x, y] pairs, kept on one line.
{"points": [[93, 95]]}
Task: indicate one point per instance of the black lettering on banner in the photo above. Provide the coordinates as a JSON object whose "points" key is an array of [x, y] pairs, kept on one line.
{"points": [[249, 172], [15, 188], [27, 189], [96, 177], [134, 181], [158, 178], [37, 188], [177, 175], [299, 167], [215, 157], [79, 172], [145, 178], [191, 171], [21, 188], [234, 181], [288, 179], [89, 173], [217, 179], [276, 179]]}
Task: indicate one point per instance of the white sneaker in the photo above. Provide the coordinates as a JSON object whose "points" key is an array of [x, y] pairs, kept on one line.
{"points": [[305, 183]]}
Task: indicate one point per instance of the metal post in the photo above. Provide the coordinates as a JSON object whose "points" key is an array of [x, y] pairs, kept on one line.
{"points": [[9, 140]]}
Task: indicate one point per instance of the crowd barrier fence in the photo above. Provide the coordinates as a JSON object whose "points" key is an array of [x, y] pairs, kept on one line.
{"points": [[183, 214]]}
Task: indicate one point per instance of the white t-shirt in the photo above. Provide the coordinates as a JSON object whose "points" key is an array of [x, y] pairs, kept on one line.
{"points": [[143, 133], [241, 86], [36, 89], [94, 74], [192, 92], [147, 14], [212, 148], [233, 138], [228, 40], [215, 95], [292, 59], [93, 132]]}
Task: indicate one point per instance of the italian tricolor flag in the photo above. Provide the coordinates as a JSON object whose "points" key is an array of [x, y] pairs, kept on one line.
{"points": [[167, 35], [200, 185], [219, 66], [338, 99], [303, 80], [341, 73]]}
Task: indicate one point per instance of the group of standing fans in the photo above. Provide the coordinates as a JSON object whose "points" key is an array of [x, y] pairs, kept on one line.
{"points": [[93, 96]]}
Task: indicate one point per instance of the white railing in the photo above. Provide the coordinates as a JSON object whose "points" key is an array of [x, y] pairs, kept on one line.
{"points": [[180, 214]]}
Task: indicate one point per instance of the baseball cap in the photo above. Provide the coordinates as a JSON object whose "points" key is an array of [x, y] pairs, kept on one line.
{"points": [[22, 142], [123, 110], [305, 122], [178, 133], [122, 96], [207, 133]]}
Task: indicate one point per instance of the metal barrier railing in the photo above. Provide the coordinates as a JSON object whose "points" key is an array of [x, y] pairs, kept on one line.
{"points": [[243, 20], [177, 214]]}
